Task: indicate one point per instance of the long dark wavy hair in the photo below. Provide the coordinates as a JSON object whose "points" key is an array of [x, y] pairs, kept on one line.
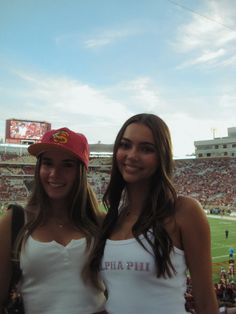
{"points": [[158, 206], [82, 207]]}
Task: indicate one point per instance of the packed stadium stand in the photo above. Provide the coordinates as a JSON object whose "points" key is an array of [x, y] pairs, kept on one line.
{"points": [[212, 180]]}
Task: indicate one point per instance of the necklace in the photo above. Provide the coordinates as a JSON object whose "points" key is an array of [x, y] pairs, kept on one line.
{"points": [[59, 223], [128, 212]]}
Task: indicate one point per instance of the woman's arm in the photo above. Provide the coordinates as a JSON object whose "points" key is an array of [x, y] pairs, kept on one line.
{"points": [[5, 255], [195, 236]]}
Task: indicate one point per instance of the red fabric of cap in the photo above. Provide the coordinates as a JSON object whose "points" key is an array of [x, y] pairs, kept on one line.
{"points": [[64, 138]]}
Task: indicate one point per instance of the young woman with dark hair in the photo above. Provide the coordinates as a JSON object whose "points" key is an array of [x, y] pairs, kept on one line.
{"points": [[151, 236]]}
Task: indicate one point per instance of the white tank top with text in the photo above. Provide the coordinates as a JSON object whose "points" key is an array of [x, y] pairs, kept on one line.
{"points": [[129, 273]]}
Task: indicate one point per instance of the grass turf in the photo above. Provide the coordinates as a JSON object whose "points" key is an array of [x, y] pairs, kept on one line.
{"points": [[220, 245]]}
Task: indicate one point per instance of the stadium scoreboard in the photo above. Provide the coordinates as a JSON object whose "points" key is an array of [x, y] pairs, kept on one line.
{"points": [[25, 131]]}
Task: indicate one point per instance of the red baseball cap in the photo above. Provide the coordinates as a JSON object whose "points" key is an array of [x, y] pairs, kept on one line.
{"points": [[65, 139]]}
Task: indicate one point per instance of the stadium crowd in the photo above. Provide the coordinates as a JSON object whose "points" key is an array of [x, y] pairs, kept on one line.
{"points": [[225, 290], [211, 181]]}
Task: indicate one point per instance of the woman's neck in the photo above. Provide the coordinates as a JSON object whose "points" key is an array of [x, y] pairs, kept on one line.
{"points": [[136, 198], [58, 209]]}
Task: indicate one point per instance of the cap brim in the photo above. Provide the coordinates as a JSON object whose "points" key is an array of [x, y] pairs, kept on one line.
{"points": [[39, 148]]}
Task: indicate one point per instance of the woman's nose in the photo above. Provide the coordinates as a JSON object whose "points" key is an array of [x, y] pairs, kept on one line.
{"points": [[54, 171], [133, 153]]}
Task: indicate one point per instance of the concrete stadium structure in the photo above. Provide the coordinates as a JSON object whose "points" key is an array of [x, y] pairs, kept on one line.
{"points": [[217, 147]]}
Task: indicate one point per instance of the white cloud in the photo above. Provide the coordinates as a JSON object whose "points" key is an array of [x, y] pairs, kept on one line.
{"points": [[66, 102], [107, 37], [228, 101], [206, 38], [66, 94], [230, 61], [142, 92], [210, 57], [100, 37], [99, 113]]}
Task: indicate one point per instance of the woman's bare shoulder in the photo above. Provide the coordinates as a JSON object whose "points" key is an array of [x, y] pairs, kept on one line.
{"points": [[5, 234], [5, 231], [5, 221], [5, 253], [189, 209]]}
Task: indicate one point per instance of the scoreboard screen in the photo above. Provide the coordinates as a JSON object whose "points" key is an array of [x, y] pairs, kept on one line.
{"points": [[24, 130]]}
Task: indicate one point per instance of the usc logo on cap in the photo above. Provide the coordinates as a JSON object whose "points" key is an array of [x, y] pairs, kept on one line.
{"points": [[60, 137]]}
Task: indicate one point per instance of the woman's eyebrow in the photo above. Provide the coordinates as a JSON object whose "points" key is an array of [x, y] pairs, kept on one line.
{"points": [[141, 143], [125, 139], [63, 160], [147, 143], [46, 158], [69, 160]]}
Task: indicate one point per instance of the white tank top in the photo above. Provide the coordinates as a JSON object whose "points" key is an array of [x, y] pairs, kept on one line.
{"points": [[51, 280], [133, 288]]}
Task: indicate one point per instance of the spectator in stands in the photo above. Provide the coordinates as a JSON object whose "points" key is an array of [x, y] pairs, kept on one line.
{"points": [[62, 219], [150, 234]]}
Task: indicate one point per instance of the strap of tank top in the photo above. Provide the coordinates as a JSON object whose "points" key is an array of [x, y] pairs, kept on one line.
{"points": [[17, 223]]}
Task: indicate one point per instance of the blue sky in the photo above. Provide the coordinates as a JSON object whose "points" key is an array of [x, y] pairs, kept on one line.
{"points": [[89, 65]]}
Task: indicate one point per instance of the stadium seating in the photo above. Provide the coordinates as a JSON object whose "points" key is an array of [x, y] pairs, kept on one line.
{"points": [[211, 181]]}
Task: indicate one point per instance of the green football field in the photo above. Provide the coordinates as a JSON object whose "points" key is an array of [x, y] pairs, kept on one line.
{"points": [[219, 244]]}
